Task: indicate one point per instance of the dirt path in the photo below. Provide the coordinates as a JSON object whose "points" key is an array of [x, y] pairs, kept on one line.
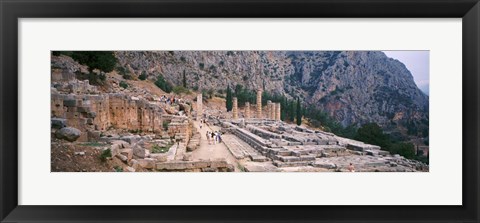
{"points": [[210, 151]]}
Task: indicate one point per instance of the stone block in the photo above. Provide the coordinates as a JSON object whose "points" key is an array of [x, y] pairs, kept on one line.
{"points": [[187, 157], [115, 149], [307, 158], [70, 102], [68, 133], [147, 163], [201, 164], [209, 169], [139, 152], [129, 169], [123, 158], [325, 165], [91, 114], [93, 136], [127, 152], [258, 158], [159, 157], [296, 153], [134, 163], [58, 123], [131, 139], [218, 164], [289, 158], [284, 153]]}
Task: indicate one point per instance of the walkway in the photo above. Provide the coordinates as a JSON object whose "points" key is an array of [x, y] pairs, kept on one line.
{"points": [[206, 151]]}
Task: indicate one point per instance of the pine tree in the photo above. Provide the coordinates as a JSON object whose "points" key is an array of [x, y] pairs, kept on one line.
{"points": [[291, 110], [229, 102], [184, 81], [299, 112]]}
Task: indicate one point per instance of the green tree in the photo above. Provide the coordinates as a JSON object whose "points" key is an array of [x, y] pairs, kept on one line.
{"points": [[143, 76], [229, 102], [123, 84], [184, 80], [102, 60], [299, 112], [163, 84], [291, 110], [371, 133], [406, 150]]}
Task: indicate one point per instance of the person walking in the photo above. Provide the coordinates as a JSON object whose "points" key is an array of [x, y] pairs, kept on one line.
{"points": [[219, 137], [208, 138], [213, 137]]}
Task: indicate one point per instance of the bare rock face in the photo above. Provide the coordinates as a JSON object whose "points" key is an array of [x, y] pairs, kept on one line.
{"points": [[357, 87], [354, 87], [68, 133]]}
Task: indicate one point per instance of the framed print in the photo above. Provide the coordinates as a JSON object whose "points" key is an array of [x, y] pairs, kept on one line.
{"points": [[239, 111]]}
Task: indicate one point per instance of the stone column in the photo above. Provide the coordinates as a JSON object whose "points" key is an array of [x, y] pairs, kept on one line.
{"points": [[279, 112], [199, 106], [247, 110], [235, 108], [272, 111], [259, 103], [268, 109]]}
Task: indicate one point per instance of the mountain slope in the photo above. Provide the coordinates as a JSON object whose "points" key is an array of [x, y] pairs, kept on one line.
{"points": [[354, 87]]}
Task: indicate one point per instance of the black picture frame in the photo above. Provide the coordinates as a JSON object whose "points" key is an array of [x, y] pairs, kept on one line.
{"points": [[11, 11]]}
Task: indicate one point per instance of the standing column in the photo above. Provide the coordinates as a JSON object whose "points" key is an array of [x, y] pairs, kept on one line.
{"points": [[272, 111], [247, 110], [235, 108], [268, 110], [279, 112], [259, 103], [199, 106]]}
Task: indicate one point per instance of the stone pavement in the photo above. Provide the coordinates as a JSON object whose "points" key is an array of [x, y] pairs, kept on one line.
{"points": [[210, 151]]}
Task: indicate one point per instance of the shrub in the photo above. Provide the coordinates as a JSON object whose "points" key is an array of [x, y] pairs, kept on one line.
{"points": [[102, 60], [118, 169], [180, 90], [165, 125], [93, 78], [124, 72], [158, 149], [123, 84], [143, 76], [163, 84], [406, 150], [105, 155], [201, 65]]}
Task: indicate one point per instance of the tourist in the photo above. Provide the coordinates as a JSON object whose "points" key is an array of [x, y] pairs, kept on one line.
{"points": [[351, 168], [213, 137], [219, 137], [208, 138]]}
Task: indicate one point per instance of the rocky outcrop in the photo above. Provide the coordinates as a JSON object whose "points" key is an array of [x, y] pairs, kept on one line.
{"points": [[358, 87], [354, 87], [68, 133]]}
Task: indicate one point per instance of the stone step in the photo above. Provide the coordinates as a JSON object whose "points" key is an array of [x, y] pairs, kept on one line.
{"points": [[258, 158], [291, 164]]}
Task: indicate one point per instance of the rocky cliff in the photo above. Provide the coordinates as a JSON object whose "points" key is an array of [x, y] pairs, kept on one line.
{"points": [[354, 87]]}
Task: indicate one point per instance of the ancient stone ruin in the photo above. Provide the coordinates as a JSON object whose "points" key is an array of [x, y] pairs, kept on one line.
{"points": [[138, 130]]}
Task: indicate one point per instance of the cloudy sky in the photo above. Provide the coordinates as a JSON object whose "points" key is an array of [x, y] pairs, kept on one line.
{"points": [[417, 62]]}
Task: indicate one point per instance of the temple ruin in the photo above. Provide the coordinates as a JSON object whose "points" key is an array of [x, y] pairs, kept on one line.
{"points": [[259, 104], [149, 132]]}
